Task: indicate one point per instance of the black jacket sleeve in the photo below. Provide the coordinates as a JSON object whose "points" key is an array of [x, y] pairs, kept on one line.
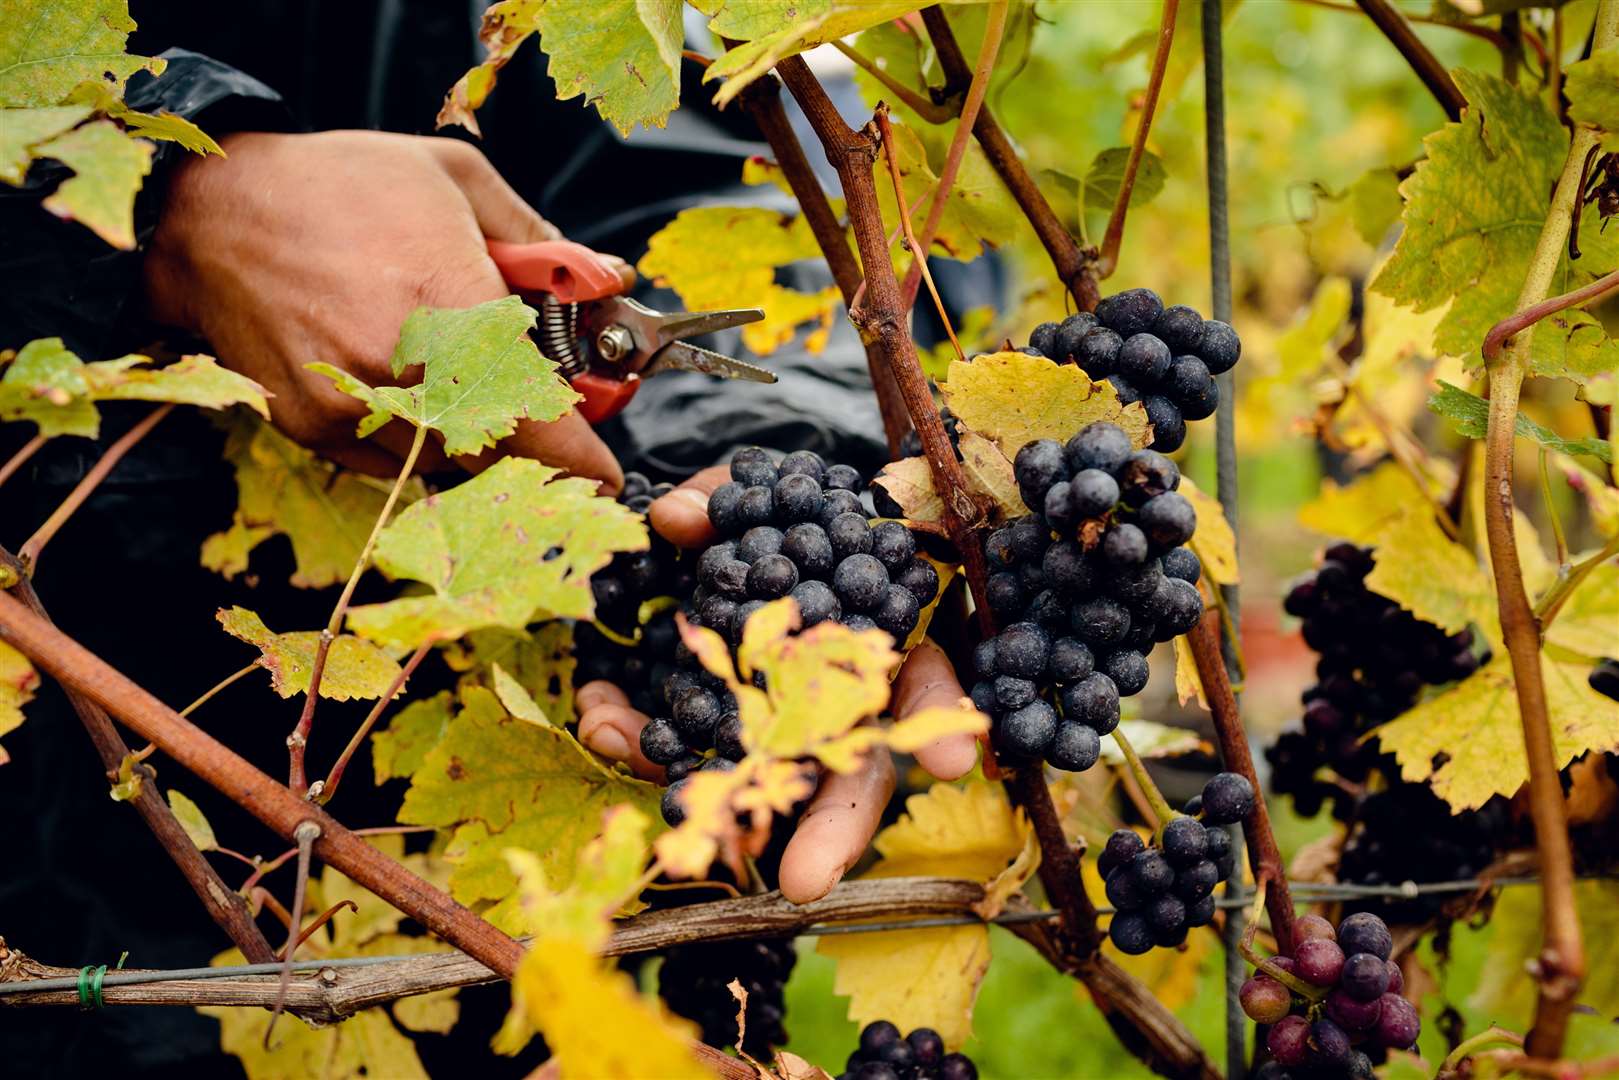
{"points": [[57, 278]]}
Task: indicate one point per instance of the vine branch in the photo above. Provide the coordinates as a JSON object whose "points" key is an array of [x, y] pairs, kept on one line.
{"points": [[1561, 967], [1109, 259], [1419, 56], [1264, 857]]}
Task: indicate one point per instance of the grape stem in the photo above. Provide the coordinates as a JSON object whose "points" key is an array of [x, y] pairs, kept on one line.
{"points": [[1308, 991], [1138, 769], [1492, 1036], [20, 458], [1568, 580], [919, 252], [328, 788], [1561, 965], [934, 112], [1427, 66]]}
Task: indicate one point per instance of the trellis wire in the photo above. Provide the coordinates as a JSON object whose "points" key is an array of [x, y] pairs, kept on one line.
{"points": [[1303, 891], [1225, 474]]}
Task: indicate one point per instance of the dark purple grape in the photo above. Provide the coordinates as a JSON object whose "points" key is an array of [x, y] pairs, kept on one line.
{"points": [[1128, 669], [1220, 347], [1143, 359], [1152, 871], [1399, 1024], [1365, 932], [810, 549], [1185, 841], [752, 467], [861, 583], [927, 1046], [1180, 328], [1022, 649], [1026, 733], [841, 478], [1093, 701], [661, 743], [1038, 465], [1289, 1041], [956, 1067], [1228, 798], [898, 613], [1097, 351], [816, 602], [1329, 1044], [797, 498], [1075, 747], [1122, 846], [1194, 882], [1364, 977], [1070, 661], [1351, 1013], [893, 545], [1168, 426], [850, 535], [1101, 446], [1044, 338], [1132, 311], [1313, 928], [1130, 933]]}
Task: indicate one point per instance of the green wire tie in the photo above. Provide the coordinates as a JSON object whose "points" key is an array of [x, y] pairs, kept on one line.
{"points": [[90, 977]]}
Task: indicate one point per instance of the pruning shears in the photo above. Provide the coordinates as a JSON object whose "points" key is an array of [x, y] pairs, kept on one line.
{"points": [[605, 342]]}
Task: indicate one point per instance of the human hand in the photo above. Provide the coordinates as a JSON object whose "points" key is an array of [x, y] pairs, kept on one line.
{"points": [[842, 816], [298, 248]]}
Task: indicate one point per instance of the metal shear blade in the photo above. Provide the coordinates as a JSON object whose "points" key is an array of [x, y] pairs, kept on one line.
{"points": [[682, 356]]}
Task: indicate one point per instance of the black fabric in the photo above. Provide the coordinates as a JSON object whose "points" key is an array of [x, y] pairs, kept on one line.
{"points": [[84, 881]]}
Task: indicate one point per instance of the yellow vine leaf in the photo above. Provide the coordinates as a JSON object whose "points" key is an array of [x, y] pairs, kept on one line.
{"points": [[284, 490], [501, 783], [165, 126], [108, 168], [486, 549], [1362, 509], [354, 668], [1214, 543], [909, 482], [1588, 623], [1392, 373], [727, 256], [989, 472], [516, 698], [624, 58], [931, 977], [540, 659], [18, 681], [21, 130], [1187, 683], [398, 750], [47, 47], [192, 820], [1013, 398], [1432, 576], [368, 1045], [1517, 931], [1467, 742]]}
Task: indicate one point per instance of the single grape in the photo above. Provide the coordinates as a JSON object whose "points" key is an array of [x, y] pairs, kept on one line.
{"points": [[1026, 732], [1364, 932], [893, 545], [1102, 622], [1012, 693], [1123, 546], [661, 742], [898, 613], [1143, 359], [1329, 1043], [1065, 344], [1166, 914], [850, 535], [1044, 338], [810, 549], [1038, 465], [1097, 351], [1351, 1013], [1022, 649], [772, 577], [759, 541], [838, 501], [897, 1054], [1194, 882], [1168, 520], [817, 603], [1176, 608], [1182, 563], [861, 583], [1130, 933], [1075, 747], [756, 507], [1135, 586], [956, 1067], [806, 462], [1193, 390], [1168, 426], [876, 1035], [1152, 871], [1220, 347], [841, 478], [1399, 1023], [1185, 841], [928, 1047], [676, 770], [1228, 798], [921, 578], [1070, 661], [1264, 999], [728, 738], [1066, 568], [719, 612], [1100, 446], [752, 467], [1289, 1041], [1180, 328], [671, 805], [1122, 846], [1200, 913], [797, 498], [1318, 961], [1132, 311], [982, 695], [1060, 508], [724, 508], [1128, 669], [1094, 702]]}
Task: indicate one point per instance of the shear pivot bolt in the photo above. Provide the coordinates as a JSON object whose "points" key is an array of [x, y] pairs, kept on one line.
{"points": [[615, 343]]}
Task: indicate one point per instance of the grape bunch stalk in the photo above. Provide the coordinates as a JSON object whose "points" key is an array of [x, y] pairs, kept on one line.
{"points": [[883, 1054], [1165, 358], [1337, 1004], [798, 529], [1084, 587], [1164, 890]]}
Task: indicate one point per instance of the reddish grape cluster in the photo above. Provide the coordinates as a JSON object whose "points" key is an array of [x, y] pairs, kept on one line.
{"points": [[1346, 1002]]}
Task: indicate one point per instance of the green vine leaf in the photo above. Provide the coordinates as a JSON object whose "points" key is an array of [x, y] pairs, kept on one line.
{"points": [[21, 130], [980, 213], [108, 169], [1592, 86], [511, 545], [284, 490], [1468, 741], [540, 659], [480, 374], [1585, 625], [1100, 188], [1469, 415], [1473, 212], [727, 256], [354, 668], [623, 57], [165, 126], [48, 47], [502, 783], [398, 750], [51, 386], [192, 820]]}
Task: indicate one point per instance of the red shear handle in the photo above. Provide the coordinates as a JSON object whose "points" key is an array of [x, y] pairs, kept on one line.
{"points": [[604, 397], [571, 272]]}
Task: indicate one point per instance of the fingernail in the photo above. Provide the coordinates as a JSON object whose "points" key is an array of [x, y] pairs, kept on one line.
{"points": [[609, 742]]}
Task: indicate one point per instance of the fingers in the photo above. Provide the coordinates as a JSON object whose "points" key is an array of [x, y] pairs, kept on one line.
{"points": [[569, 443], [501, 212], [612, 729], [928, 679], [835, 829], [681, 517]]}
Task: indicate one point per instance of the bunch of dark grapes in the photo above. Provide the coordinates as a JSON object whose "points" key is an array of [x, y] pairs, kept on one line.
{"points": [[1084, 587], [1407, 833], [1165, 358], [1604, 678], [884, 1054], [1160, 893], [620, 589], [1354, 1012], [795, 529], [1375, 658], [694, 982]]}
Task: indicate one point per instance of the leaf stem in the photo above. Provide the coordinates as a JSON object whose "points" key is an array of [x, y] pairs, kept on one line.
{"points": [[1155, 798], [1561, 967], [994, 28], [298, 741], [1519, 321], [1491, 1036], [28, 554], [931, 111], [1569, 579], [1109, 259], [324, 790], [220, 685], [1558, 539], [20, 458]]}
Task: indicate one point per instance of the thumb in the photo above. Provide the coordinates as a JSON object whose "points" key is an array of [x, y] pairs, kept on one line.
{"points": [[501, 212]]}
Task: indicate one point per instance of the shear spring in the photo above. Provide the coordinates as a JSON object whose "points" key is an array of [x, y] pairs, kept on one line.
{"points": [[559, 335]]}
